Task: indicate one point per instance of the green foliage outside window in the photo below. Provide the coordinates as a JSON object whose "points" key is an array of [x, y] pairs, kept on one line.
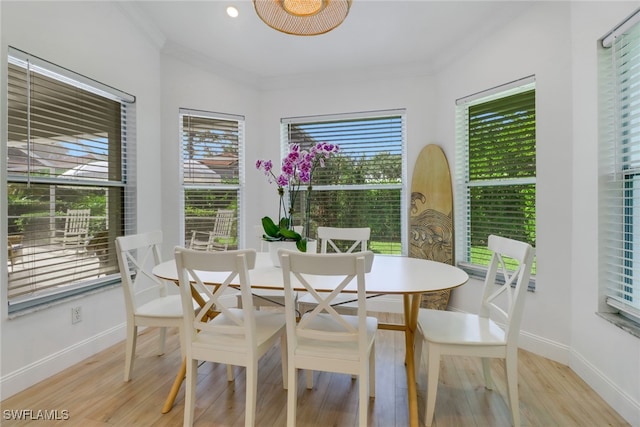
{"points": [[502, 171]]}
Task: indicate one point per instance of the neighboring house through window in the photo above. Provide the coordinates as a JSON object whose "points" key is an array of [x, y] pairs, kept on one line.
{"points": [[495, 171], [363, 185], [70, 157], [212, 157]]}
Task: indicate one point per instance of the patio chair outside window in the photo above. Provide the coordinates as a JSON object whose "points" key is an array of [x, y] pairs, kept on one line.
{"points": [[216, 239], [76, 229], [14, 248]]}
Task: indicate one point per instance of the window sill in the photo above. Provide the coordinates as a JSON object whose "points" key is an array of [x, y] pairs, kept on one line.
{"points": [[622, 322], [36, 305]]}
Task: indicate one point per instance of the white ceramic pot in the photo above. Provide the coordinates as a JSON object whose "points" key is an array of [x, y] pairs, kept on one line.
{"points": [[312, 246]]}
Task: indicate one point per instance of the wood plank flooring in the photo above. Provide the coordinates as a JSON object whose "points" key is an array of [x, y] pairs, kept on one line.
{"points": [[94, 394]]}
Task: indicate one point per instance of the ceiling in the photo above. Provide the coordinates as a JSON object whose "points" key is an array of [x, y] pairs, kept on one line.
{"points": [[378, 36]]}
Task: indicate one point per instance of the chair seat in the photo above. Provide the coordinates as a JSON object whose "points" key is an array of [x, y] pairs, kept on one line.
{"points": [[331, 349], [168, 306], [268, 325], [449, 327]]}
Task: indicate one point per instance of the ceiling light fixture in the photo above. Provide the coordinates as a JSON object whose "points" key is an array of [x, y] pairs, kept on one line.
{"points": [[302, 17]]}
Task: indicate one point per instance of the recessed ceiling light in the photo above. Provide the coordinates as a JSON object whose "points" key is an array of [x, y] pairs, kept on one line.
{"points": [[232, 11]]}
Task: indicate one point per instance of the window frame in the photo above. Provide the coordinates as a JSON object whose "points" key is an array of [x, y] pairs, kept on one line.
{"points": [[619, 169], [124, 160], [336, 119], [212, 186], [463, 182]]}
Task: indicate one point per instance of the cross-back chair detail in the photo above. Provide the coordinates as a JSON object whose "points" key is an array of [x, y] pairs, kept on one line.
{"points": [[357, 239], [211, 296], [492, 333], [324, 339], [234, 336]]}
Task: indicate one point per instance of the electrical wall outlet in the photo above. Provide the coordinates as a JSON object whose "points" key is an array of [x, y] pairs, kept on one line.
{"points": [[76, 314]]}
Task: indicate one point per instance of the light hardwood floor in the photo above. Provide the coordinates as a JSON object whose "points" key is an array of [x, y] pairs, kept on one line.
{"points": [[94, 393]]}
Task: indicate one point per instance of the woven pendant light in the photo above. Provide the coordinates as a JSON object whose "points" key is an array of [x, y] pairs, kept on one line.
{"points": [[302, 17]]}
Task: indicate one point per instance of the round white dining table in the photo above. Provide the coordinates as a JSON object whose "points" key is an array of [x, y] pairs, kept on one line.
{"points": [[389, 275]]}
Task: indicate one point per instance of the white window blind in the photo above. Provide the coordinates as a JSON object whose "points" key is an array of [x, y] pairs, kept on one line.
{"points": [[212, 172], [363, 185], [619, 196], [496, 170], [70, 189]]}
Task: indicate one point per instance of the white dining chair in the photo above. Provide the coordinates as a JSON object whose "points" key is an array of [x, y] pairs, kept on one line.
{"points": [[492, 333], [343, 239], [146, 297], [223, 334], [339, 240], [323, 339]]}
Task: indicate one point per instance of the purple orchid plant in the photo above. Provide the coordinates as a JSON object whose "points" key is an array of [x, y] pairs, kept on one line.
{"points": [[296, 171]]}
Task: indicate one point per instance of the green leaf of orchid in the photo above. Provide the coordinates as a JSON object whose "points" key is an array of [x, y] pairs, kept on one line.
{"points": [[290, 234], [270, 228], [284, 223], [302, 245]]}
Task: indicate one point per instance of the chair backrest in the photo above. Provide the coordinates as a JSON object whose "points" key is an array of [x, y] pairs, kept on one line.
{"points": [[357, 237], [218, 238], [317, 273], [77, 221], [137, 255], [223, 223], [231, 264], [504, 301], [200, 244]]}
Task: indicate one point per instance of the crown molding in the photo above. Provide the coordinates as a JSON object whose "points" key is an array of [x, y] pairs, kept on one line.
{"points": [[219, 68], [146, 26]]}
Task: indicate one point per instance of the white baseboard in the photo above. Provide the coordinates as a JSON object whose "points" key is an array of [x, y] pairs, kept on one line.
{"points": [[31, 374], [618, 399], [544, 347]]}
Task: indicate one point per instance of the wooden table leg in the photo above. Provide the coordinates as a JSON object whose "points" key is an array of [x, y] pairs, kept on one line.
{"points": [[411, 307], [168, 404]]}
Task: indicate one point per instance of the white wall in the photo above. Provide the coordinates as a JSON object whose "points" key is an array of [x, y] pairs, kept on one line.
{"points": [[36, 345], [185, 85], [538, 43]]}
